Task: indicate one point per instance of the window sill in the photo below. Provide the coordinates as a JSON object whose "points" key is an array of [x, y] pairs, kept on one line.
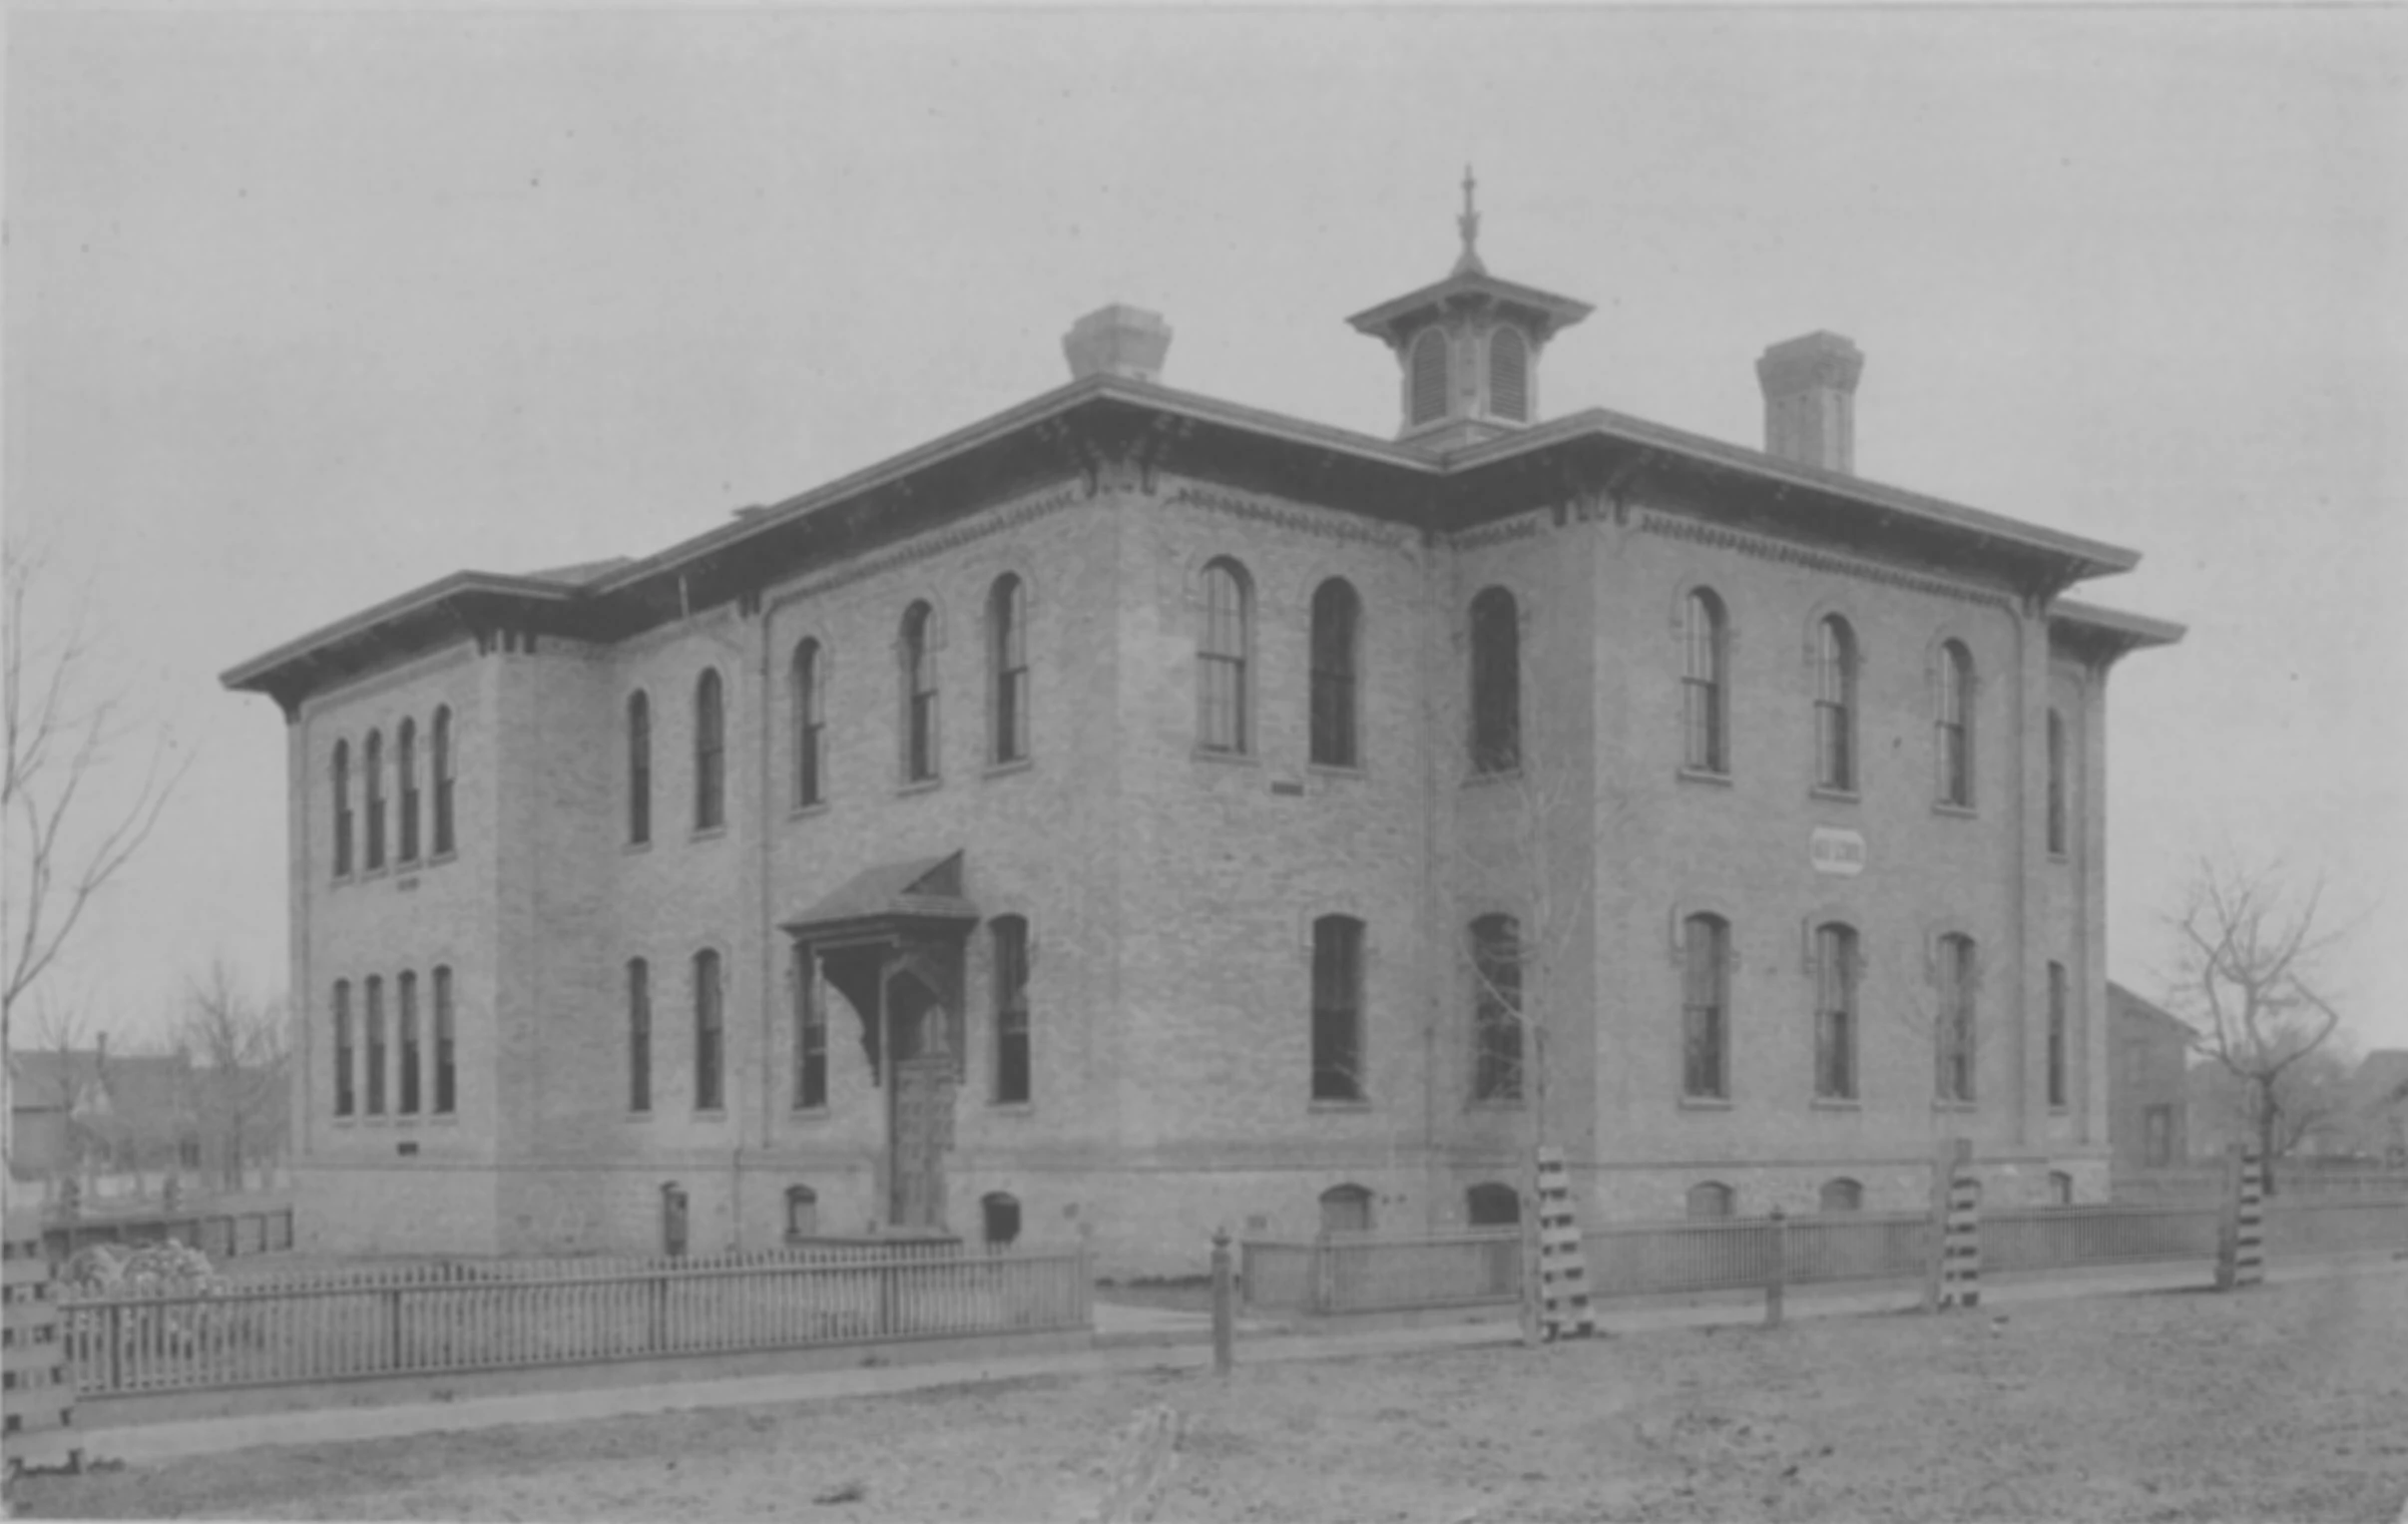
{"points": [[1214, 755], [1706, 1103], [1337, 769], [1494, 1102], [408, 864], [1833, 796], [634, 848], [806, 811], [1320, 1105], [919, 785], [807, 1113], [1958, 811], [368, 874], [2061, 1109], [640, 1116], [1011, 1108], [2060, 857], [1007, 769], [706, 833], [440, 858], [710, 1114], [1702, 775], [1835, 1103], [1956, 1106], [1512, 774]]}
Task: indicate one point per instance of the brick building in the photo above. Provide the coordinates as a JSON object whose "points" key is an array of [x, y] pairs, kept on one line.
{"points": [[2147, 1083], [1138, 812]]}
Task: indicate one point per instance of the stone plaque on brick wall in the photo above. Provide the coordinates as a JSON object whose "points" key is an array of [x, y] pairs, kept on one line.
{"points": [[1837, 851]]}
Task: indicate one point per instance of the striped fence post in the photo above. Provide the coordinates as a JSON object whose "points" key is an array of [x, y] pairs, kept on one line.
{"points": [[1961, 1243], [1563, 1269], [38, 1378], [2249, 1222]]}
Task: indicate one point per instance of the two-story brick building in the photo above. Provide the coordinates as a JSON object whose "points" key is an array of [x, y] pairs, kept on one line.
{"points": [[1138, 812]]}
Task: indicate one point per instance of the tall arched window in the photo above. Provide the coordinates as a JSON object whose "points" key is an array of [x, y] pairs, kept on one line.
{"points": [[447, 1065], [371, 762], [639, 768], [1429, 376], [1955, 738], [710, 753], [802, 1214], [918, 654], [374, 1023], [1835, 706], [344, 1099], [341, 769], [1496, 682], [1221, 658], [1010, 937], [1337, 611], [2060, 997], [1346, 1209], [710, 1034], [1337, 1009], [1958, 975], [1710, 1201], [638, 1035], [1836, 971], [406, 990], [441, 762], [810, 1034], [810, 724], [1706, 1008], [2057, 790], [1008, 652], [1509, 375], [1704, 669], [406, 772], [1496, 1009]]}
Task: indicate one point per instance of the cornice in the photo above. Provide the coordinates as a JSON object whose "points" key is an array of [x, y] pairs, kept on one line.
{"points": [[933, 542], [1326, 524], [1789, 554]]}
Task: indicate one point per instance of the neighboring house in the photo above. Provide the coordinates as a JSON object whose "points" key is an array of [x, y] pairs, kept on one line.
{"points": [[2377, 1125], [93, 1113], [1139, 812], [2147, 1083]]}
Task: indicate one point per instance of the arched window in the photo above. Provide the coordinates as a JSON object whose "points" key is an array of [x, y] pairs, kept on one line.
{"points": [[1509, 375], [374, 1023], [999, 1216], [1955, 740], [1710, 1201], [447, 1068], [406, 990], [710, 753], [1706, 1008], [441, 762], [917, 649], [341, 769], [1496, 1009], [1958, 975], [1337, 1009], [1010, 936], [638, 1035], [405, 772], [1705, 656], [344, 1099], [1835, 975], [810, 1034], [1496, 682], [372, 762], [2060, 996], [1840, 1195], [672, 1220], [2061, 1188], [1493, 1204], [1429, 384], [2056, 791], [639, 768], [1008, 652], [1337, 611], [1835, 706], [802, 1214], [810, 724], [708, 1034], [1221, 658], [1346, 1209]]}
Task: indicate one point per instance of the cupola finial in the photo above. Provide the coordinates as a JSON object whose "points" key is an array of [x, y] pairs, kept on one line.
{"points": [[1469, 226]]}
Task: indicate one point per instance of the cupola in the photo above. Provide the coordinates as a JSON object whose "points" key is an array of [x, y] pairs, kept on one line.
{"points": [[1468, 347]]}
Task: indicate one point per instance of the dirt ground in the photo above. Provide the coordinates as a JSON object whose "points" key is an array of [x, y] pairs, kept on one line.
{"points": [[2288, 1404]]}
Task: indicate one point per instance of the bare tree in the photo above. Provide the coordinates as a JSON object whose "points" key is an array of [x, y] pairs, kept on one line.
{"points": [[240, 1047], [59, 1033], [67, 839], [2251, 978], [2312, 1099]]}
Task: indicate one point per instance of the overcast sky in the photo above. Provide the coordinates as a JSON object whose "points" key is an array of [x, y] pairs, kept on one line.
{"points": [[307, 309]]}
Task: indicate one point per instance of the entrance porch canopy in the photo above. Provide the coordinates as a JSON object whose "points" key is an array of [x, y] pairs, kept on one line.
{"points": [[894, 921]]}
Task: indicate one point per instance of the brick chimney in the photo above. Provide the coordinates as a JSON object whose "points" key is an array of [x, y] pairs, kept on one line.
{"points": [[1118, 341], [1810, 400]]}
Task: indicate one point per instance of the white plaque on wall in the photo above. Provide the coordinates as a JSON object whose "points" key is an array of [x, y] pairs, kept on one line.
{"points": [[1837, 851]]}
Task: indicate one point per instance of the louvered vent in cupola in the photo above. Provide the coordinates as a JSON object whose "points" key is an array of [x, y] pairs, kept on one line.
{"points": [[1509, 375], [1429, 376]]}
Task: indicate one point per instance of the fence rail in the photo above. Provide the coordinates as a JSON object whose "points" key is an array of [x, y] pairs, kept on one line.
{"points": [[1345, 1272], [247, 1336]]}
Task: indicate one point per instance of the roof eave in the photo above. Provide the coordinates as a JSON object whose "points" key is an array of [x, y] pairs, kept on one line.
{"points": [[256, 673]]}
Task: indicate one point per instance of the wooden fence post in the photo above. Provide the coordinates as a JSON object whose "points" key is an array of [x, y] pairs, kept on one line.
{"points": [[1777, 1278], [1224, 1314], [392, 1322]]}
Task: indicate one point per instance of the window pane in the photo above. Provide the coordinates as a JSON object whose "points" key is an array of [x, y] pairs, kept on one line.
{"points": [[1496, 682], [1337, 950], [1333, 677]]}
